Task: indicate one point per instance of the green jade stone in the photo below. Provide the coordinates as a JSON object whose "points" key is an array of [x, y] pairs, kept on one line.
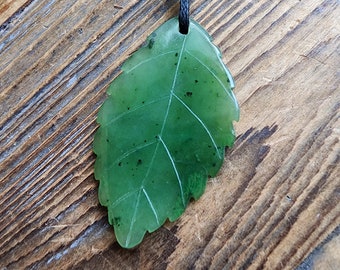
{"points": [[163, 130]]}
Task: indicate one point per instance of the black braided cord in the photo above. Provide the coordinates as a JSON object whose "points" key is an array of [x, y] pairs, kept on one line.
{"points": [[183, 17]]}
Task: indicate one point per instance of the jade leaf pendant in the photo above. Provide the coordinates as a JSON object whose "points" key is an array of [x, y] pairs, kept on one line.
{"points": [[163, 130]]}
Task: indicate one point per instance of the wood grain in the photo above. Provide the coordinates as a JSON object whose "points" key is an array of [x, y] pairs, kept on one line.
{"points": [[277, 195]]}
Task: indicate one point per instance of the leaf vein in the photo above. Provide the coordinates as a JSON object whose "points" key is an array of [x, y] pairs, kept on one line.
{"points": [[133, 220], [133, 110], [122, 198], [150, 59], [151, 206], [175, 169], [201, 123], [231, 96], [129, 152], [173, 84]]}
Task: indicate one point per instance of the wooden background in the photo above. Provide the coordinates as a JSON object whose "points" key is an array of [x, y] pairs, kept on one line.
{"points": [[276, 198]]}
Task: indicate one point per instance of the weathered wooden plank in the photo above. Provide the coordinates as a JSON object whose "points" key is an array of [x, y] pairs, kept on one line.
{"points": [[9, 8], [276, 197]]}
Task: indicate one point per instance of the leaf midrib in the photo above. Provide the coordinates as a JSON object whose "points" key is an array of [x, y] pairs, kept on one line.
{"points": [[128, 238]]}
